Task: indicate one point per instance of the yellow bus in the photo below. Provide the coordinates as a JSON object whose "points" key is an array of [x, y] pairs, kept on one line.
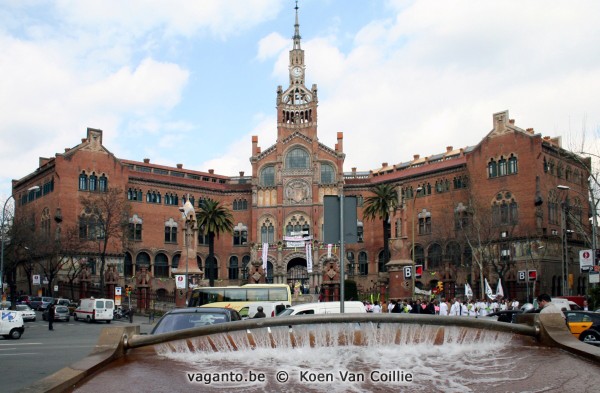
{"points": [[239, 296]]}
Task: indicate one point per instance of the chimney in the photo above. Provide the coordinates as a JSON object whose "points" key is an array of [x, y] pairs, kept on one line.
{"points": [[179, 166], [448, 149], [146, 161], [67, 149], [241, 173], [416, 157], [83, 140], [512, 121], [211, 171], [340, 142], [530, 130], [384, 164]]}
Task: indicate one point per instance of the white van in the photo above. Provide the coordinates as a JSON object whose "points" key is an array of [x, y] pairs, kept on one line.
{"points": [[350, 307], [11, 324], [270, 309], [95, 310], [564, 304]]}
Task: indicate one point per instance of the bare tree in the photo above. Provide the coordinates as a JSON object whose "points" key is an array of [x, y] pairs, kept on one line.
{"points": [[104, 223]]}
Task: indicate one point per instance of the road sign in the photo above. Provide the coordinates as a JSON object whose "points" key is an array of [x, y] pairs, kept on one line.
{"points": [[418, 271], [118, 291], [407, 271], [532, 274], [522, 274]]}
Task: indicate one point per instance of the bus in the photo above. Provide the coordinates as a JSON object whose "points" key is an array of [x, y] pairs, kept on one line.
{"points": [[239, 296]]}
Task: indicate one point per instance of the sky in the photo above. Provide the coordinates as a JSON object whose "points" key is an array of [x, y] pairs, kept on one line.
{"points": [[190, 82]]}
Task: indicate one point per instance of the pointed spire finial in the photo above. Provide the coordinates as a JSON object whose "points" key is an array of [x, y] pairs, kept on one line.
{"points": [[297, 29]]}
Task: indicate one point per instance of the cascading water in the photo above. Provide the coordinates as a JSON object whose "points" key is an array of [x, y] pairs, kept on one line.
{"points": [[348, 357]]}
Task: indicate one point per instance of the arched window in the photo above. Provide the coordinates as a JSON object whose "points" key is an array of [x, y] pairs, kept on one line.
{"points": [[502, 167], [434, 256], [245, 262], [327, 174], [142, 259], [199, 262], [505, 210], [161, 266], [135, 228], [267, 232], [297, 225], [419, 254], [492, 168], [175, 261], [512, 165], [267, 176], [363, 264], [234, 272], [103, 184], [93, 182], [83, 181], [297, 158]]}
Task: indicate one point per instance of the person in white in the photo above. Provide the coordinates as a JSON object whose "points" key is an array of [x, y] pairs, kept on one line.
{"points": [[376, 308], [456, 308], [390, 306], [464, 310], [515, 304], [443, 307], [495, 306], [482, 308], [472, 307]]}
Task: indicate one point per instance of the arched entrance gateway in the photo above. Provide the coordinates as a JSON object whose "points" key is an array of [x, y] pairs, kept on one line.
{"points": [[297, 275]]}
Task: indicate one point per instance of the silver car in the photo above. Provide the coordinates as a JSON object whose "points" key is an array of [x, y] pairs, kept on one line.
{"points": [[61, 313], [26, 312]]}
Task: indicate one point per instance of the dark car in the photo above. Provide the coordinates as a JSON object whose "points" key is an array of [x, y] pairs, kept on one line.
{"points": [[505, 315], [187, 318], [61, 313], [585, 325], [24, 299]]}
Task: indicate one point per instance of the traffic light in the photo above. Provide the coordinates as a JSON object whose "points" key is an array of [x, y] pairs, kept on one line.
{"points": [[440, 286], [532, 275], [418, 271]]}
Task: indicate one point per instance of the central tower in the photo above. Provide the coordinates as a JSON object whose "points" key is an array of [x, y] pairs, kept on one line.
{"points": [[297, 105]]}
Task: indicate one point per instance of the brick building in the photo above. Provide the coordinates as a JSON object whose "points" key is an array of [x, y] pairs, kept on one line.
{"points": [[489, 210]]}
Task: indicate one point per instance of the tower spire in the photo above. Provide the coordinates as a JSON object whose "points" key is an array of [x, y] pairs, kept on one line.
{"points": [[297, 30]]}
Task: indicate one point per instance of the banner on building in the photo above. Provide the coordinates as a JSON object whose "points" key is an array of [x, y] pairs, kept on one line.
{"points": [[265, 256], [329, 247], [309, 264], [295, 244]]}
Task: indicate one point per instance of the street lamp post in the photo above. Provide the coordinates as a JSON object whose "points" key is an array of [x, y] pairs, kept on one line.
{"points": [[187, 213], [34, 188], [414, 273]]}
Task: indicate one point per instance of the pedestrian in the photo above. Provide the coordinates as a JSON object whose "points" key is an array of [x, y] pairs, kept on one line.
{"points": [[548, 307], [443, 307], [260, 313], [51, 312]]}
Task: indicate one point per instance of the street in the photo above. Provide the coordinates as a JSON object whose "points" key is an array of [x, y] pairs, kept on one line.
{"points": [[41, 352]]}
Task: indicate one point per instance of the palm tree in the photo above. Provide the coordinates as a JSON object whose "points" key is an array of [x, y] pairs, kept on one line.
{"points": [[379, 206], [213, 219]]}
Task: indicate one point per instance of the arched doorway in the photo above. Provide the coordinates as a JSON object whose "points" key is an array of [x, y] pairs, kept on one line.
{"points": [[297, 273]]}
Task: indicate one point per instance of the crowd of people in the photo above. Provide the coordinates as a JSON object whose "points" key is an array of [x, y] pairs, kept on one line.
{"points": [[453, 307]]}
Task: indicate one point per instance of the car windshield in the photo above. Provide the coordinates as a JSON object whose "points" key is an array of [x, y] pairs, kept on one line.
{"points": [[287, 311], [180, 321], [61, 309]]}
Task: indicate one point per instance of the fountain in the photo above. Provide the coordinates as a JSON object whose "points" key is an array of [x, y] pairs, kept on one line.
{"points": [[343, 352]]}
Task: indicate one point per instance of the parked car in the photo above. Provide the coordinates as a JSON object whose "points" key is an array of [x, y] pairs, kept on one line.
{"points": [[584, 325], [324, 308], [26, 311], [11, 324], [46, 301], [35, 302], [61, 313], [187, 318], [24, 299], [5, 304]]}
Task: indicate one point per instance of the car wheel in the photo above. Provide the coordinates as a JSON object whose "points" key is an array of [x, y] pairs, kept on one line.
{"points": [[33, 320], [108, 321], [88, 319], [75, 317], [68, 319], [15, 334], [590, 337]]}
